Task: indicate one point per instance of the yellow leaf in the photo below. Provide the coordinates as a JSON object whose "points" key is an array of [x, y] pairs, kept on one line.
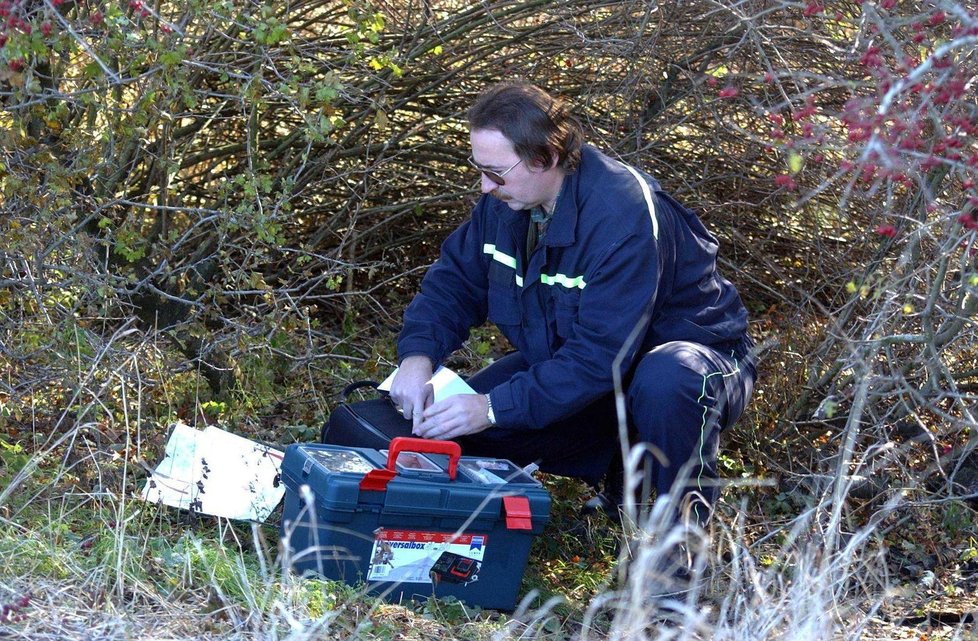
{"points": [[794, 162]]}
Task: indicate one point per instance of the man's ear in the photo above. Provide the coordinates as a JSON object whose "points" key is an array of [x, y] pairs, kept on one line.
{"points": [[554, 159]]}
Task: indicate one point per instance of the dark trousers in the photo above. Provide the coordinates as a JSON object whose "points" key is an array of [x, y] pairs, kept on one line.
{"points": [[679, 397]]}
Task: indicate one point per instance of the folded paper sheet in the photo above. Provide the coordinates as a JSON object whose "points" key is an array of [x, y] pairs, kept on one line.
{"points": [[444, 382], [217, 473]]}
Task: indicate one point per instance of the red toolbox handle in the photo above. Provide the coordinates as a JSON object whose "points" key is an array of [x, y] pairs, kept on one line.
{"points": [[425, 446], [377, 480]]}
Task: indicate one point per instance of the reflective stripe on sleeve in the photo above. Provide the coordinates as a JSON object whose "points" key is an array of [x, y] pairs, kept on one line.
{"points": [[648, 199]]}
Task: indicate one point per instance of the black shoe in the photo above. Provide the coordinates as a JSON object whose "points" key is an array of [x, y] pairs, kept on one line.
{"points": [[608, 501], [602, 503]]}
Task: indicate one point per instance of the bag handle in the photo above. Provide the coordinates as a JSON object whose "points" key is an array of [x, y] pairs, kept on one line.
{"points": [[355, 385], [377, 480]]}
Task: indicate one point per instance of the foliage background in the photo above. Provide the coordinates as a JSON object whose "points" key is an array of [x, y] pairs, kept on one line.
{"points": [[216, 211]]}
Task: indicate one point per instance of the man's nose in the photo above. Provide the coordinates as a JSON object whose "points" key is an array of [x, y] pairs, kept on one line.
{"points": [[486, 184]]}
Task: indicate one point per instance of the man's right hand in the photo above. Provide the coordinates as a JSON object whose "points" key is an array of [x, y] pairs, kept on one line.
{"points": [[410, 390]]}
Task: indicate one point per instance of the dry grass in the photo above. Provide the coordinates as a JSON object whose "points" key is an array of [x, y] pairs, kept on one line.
{"points": [[101, 566]]}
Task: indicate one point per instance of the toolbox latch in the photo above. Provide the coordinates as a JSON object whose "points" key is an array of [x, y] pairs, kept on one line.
{"points": [[518, 514], [376, 480]]}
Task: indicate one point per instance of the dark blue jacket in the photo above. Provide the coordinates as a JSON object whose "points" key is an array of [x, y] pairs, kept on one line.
{"points": [[620, 257]]}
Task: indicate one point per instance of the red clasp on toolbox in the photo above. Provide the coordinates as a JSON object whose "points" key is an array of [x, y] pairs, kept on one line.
{"points": [[377, 480], [518, 514]]}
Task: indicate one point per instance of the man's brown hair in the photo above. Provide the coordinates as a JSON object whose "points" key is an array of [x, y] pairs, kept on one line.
{"points": [[539, 125]]}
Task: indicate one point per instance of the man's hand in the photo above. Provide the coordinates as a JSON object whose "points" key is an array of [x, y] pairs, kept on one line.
{"points": [[455, 416], [410, 390]]}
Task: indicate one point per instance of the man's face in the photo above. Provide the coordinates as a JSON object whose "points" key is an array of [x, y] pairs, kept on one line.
{"points": [[526, 185]]}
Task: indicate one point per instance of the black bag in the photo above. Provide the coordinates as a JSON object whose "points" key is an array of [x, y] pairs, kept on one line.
{"points": [[371, 423]]}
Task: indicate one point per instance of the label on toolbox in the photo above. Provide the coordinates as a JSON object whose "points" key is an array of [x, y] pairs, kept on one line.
{"points": [[414, 556]]}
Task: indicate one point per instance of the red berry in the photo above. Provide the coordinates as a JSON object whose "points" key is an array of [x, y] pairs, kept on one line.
{"points": [[728, 92], [887, 230], [786, 181]]}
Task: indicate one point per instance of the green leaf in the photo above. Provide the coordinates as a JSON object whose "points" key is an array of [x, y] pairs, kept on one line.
{"points": [[278, 33], [326, 93], [92, 70], [171, 58]]}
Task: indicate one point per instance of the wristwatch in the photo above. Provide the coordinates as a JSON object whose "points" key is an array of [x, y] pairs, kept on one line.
{"points": [[489, 413]]}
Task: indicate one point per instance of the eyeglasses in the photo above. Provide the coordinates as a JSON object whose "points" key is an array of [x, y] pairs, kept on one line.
{"points": [[492, 175]]}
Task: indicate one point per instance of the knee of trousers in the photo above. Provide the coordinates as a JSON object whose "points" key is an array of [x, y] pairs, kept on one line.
{"points": [[669, 395]]}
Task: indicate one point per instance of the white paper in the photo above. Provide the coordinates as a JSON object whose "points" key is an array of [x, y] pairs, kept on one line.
{"points": [[444, 382], [218, 473]]}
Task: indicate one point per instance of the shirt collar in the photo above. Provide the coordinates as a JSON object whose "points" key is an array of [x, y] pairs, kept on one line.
{"points": [[562, 228]]}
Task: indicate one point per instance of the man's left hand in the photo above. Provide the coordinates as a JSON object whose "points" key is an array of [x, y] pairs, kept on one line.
{"points": [[455, 416]]}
